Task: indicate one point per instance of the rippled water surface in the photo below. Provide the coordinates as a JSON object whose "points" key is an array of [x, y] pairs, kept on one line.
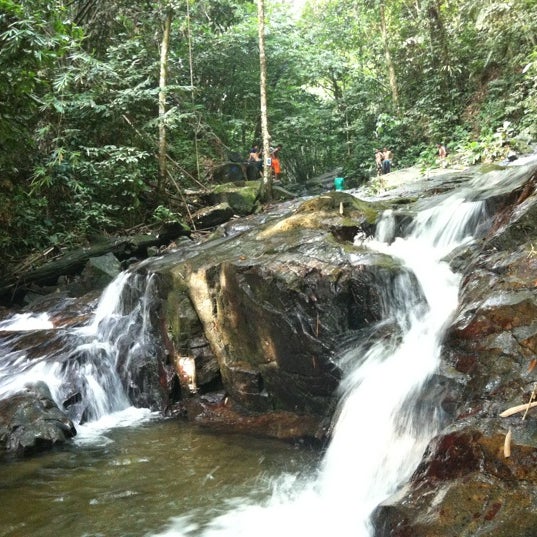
{"points": [[130, 481]]}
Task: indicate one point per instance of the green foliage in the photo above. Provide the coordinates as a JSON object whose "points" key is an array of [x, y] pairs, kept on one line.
{"points": [[491, 146], [79, 113], [33, 37], [163, 214]]}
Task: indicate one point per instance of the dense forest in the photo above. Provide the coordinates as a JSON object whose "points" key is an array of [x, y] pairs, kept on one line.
{"points": [[109, 111]]}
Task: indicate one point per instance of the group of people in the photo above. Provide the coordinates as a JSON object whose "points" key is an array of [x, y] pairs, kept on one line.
{"points": [[256, 156], [383, 160], [384, 157]]}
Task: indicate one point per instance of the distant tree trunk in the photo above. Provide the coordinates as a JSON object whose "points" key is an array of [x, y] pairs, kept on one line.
{"points": [[440, 50], [191, 69], [437, 34], [342, 109], [389, 60], [265, 191], [163, 80]]}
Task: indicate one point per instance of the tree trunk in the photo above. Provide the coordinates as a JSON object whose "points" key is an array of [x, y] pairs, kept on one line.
{"points": [[389, 60], [163, 79], [265, 192], [191, 68], [440, 49], [342, 109]]}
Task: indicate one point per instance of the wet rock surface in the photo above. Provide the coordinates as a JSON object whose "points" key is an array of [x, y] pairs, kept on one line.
{"points": [[31, 422], [265, 310]]}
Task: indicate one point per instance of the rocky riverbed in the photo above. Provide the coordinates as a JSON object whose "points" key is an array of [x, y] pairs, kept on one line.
{"points": [[262, 309]]}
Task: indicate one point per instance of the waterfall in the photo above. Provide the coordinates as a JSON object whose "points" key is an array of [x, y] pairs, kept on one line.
{"points": [[383, 426], [385, 420], [82, 367]]}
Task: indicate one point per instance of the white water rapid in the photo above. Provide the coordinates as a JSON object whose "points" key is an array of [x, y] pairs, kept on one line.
{"points": [[81, 369], [382, 426]]}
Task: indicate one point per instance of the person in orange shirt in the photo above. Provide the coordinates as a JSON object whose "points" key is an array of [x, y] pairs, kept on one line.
{"points": [[275, 162]]}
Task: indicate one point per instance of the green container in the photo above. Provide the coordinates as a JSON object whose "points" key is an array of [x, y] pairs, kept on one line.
{"points": [[339, 183]]}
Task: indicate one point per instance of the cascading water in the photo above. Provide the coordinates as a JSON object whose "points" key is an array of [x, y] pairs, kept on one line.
{"points": [[383, 424], [383, 427], [82, 370]]}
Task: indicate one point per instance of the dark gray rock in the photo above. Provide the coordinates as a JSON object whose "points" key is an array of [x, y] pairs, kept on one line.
{"points": [[265, 312], [210, 217], [30, 421], [99, 272]]}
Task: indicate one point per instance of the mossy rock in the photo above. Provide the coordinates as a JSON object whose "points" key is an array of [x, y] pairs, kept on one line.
{"points": [[490, 167], [337, 201], [241, 198]]}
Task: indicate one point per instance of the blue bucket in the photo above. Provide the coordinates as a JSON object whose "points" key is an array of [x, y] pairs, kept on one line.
{"points": [[339, 183]]}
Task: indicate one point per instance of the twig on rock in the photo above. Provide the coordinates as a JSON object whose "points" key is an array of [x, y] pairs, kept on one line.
{"points": [[507, 444], [532, 397], [517, 409]]}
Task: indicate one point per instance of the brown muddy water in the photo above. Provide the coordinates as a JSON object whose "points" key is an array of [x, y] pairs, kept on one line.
{"points": [[132, 481]]}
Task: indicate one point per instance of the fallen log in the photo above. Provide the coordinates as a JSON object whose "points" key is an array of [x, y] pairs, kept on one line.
{"points": [[73, 262]]}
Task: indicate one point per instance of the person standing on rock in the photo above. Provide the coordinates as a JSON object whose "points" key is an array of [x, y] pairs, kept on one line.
{"points": [[442, 154], [254, 154], [255, 158], [378, 161], [275, 156], [387, 161]]}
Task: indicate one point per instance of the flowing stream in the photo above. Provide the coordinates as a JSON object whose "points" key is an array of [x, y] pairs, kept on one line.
{"points": [[131, 474]]}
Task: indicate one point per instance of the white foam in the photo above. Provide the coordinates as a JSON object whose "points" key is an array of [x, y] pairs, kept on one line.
{"points": [[22, 322]]}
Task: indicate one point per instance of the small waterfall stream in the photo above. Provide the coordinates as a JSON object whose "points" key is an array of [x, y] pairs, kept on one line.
{"points": [[384, 426], [383, 423], [84, 364]]}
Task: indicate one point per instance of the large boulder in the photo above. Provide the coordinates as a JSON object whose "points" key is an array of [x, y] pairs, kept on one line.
{"points": [[99, 272], [30, 421], [465, 486], [241, 198], [231, 171], [262, 315], [210, 217]]}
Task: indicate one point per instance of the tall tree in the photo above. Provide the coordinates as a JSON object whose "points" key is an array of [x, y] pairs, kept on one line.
{"points": [[163, 82], [266, 183], [389, 61]]}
